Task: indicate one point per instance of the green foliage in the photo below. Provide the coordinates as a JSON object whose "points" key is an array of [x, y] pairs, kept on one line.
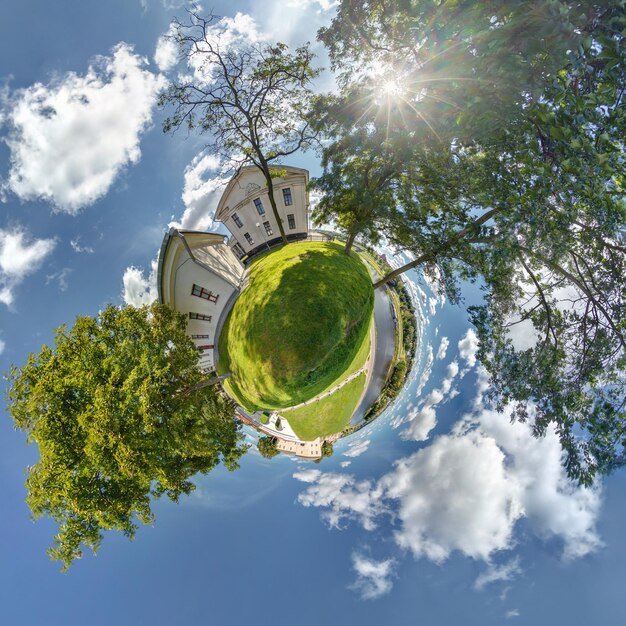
{"points": [[118, 413], [327, 448], [358, 189], [504, 124], [298, 327], [267, 447]]}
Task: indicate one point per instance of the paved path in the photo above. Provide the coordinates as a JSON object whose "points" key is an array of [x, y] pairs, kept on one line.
{"points": [[385, 348]]}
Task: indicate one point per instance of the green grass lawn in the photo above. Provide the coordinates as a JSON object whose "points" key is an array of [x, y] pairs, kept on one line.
{"points": [[328, 416], [299, 327]]}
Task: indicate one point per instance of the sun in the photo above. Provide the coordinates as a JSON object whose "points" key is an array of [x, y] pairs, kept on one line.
{"points": [[391, 87]]}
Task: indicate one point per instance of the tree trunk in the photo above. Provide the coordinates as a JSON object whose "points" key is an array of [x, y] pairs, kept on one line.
{"points": [[349, 242], [469, 229], [210, 381], [405, 268], [270, 193]]}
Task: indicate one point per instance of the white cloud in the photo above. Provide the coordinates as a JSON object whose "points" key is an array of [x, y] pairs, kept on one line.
{"points": [[443, 348], [512, 613], [70, 139], [357, 449], [373, 577], [20, 256], [556, 506], [454, 495], [226, 33], [3, 345], [140, 290], [166, 52], [205, 180], [308, 476], [424, 418], [342, 496], [468, 346], [466, 492], [498, 573]]}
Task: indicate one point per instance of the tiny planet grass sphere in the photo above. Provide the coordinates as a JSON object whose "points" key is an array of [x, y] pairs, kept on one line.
{"points": [[299, 328]]}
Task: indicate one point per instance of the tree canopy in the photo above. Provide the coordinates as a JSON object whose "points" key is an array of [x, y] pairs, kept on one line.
{"points": [[267, 447], [119, 414], [503, 125], [249, 98]]}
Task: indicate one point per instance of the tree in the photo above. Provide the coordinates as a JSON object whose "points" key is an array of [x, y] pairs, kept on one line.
{"points": [[327, 448], [357, 187], [267, 447], [252, 99], [119, 415], [516, 180]]}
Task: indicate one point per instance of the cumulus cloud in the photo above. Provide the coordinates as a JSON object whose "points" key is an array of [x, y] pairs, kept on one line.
{"points": [[342, 497], [3, 345], [468, 346], [357, 449], [467, 491], [443, 348], [20, 256], [555, 505], [373, 577], [70, 139], [166, 52], [139, 290], [205, 180], [454, 495]]}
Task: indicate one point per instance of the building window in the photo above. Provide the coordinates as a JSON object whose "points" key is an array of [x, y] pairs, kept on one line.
{"points": [[287, 199], [291, 218], [248, 238], [201, 336], [259, 206], [238, 250], [206, 347], [237, 220], [268, 228], [203, 293], [200, 316]]}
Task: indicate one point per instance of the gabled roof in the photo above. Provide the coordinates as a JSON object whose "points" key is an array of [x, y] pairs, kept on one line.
{"points": [[220, 212]]}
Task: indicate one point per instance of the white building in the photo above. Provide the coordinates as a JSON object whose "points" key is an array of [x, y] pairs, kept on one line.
{"points": [[199, 275], [246, 211]]}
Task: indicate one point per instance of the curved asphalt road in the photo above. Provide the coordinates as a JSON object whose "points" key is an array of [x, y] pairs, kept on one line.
{"points": [[385, 346]]}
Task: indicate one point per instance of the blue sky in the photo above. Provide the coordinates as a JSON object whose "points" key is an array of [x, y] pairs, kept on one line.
{"points": [[439, 513]]}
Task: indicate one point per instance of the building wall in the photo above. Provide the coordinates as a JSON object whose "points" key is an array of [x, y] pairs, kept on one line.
{"points": [[213, 267], [238, 200]]}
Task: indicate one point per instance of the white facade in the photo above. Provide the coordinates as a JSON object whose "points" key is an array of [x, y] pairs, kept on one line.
{"points": [[246, 211], [199, 276]]}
